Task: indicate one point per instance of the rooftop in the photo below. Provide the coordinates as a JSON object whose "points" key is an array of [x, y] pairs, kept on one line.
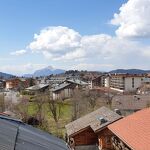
{"points": [[37, 87], [127, 75], [14, 134], [59, 87], [134, 130], [92, 120], [130, 102], [77, 81]]}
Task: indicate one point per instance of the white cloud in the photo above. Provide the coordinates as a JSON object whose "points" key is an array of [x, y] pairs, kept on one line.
{"points": [[62, 43], [55, 39], [19, 52], [133, 19], [65, 46], [93, 67], [21, 69]]}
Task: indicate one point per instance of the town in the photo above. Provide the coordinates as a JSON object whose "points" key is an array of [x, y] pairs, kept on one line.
{"points": [[74, 74], [88, 110]]}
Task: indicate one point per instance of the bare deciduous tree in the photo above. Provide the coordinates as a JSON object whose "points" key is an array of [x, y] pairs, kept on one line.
{"points": [[55, 108], [2, 103], [40, 100], [92, 97], [79, 104]]}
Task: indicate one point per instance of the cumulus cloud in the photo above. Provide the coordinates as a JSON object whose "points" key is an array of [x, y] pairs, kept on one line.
{"points": [[62, 43], [55, 39], [19, 52], [65, 45], [133, 19]]}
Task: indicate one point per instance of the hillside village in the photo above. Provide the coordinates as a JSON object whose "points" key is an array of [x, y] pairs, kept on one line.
{"points": [[86, 109]]}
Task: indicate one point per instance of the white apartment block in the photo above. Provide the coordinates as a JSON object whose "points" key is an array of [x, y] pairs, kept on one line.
{"points": [[124, 82]]}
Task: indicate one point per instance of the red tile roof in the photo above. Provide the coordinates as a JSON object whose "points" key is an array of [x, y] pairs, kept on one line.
{"points": [[134, 130]]}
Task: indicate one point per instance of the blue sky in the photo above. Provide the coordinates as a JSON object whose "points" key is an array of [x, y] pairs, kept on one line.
{"points": [[73, 34]]}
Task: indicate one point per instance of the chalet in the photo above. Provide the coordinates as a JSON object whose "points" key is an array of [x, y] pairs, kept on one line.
{"points": [[62, 91], [90, 132], [132, 132], [17, 83], [16, 135], [66, 89], [128, 104]]}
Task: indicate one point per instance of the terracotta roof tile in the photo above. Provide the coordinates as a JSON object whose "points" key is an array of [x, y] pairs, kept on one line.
{"points": [[134, 130]]}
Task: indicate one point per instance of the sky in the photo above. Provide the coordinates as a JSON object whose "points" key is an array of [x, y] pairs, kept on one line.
{"points": [[99, 35]]}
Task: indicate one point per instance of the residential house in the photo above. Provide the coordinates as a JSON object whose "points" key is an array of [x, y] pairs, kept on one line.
{"points": [[90, 131], [132, 132], [16, 135], [128, 104], [65, 90], [95, 82], [17, 83], [145, 86], [62, 91], [144, 89]]}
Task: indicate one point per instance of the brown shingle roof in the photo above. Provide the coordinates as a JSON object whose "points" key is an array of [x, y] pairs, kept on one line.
{"points": [[92, 120], [134, 130]]}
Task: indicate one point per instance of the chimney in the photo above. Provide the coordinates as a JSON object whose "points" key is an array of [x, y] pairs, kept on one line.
{"points": [[102, 120], [117, 111]]}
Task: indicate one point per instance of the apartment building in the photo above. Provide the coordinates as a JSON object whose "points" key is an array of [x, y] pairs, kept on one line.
{"points": [[124, 82]]}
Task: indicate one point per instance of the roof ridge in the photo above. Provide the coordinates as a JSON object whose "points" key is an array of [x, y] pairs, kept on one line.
{"points": [[11, 119]]}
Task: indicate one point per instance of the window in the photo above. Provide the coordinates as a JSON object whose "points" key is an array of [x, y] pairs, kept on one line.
{"points": [[132, 82]]}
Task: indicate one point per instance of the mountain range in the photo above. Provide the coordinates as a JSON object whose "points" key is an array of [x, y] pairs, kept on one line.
{"points": [[130, 71], [50, 70], [5, 75], [45, 72]]}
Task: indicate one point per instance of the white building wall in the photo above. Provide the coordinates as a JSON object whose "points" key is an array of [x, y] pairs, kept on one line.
{"points": [[128, 83], [107, 82]]}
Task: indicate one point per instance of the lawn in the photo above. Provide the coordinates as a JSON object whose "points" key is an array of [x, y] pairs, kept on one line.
{"points": [[50, 126]]}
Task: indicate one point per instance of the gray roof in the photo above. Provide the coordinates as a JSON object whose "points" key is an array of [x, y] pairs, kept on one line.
{"points": [[92, 120], [37, 87], [60, 87], [77, 81], [19, 136], [130, 102]]}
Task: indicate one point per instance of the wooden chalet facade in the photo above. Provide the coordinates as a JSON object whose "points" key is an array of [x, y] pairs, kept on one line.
{"points": [[62, 91], [90, 132], [65, 90], [86, 137]]}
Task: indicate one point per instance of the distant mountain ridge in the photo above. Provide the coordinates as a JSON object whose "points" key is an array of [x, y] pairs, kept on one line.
{"points": [[5, 75], [45, 72], [130, 71]]}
